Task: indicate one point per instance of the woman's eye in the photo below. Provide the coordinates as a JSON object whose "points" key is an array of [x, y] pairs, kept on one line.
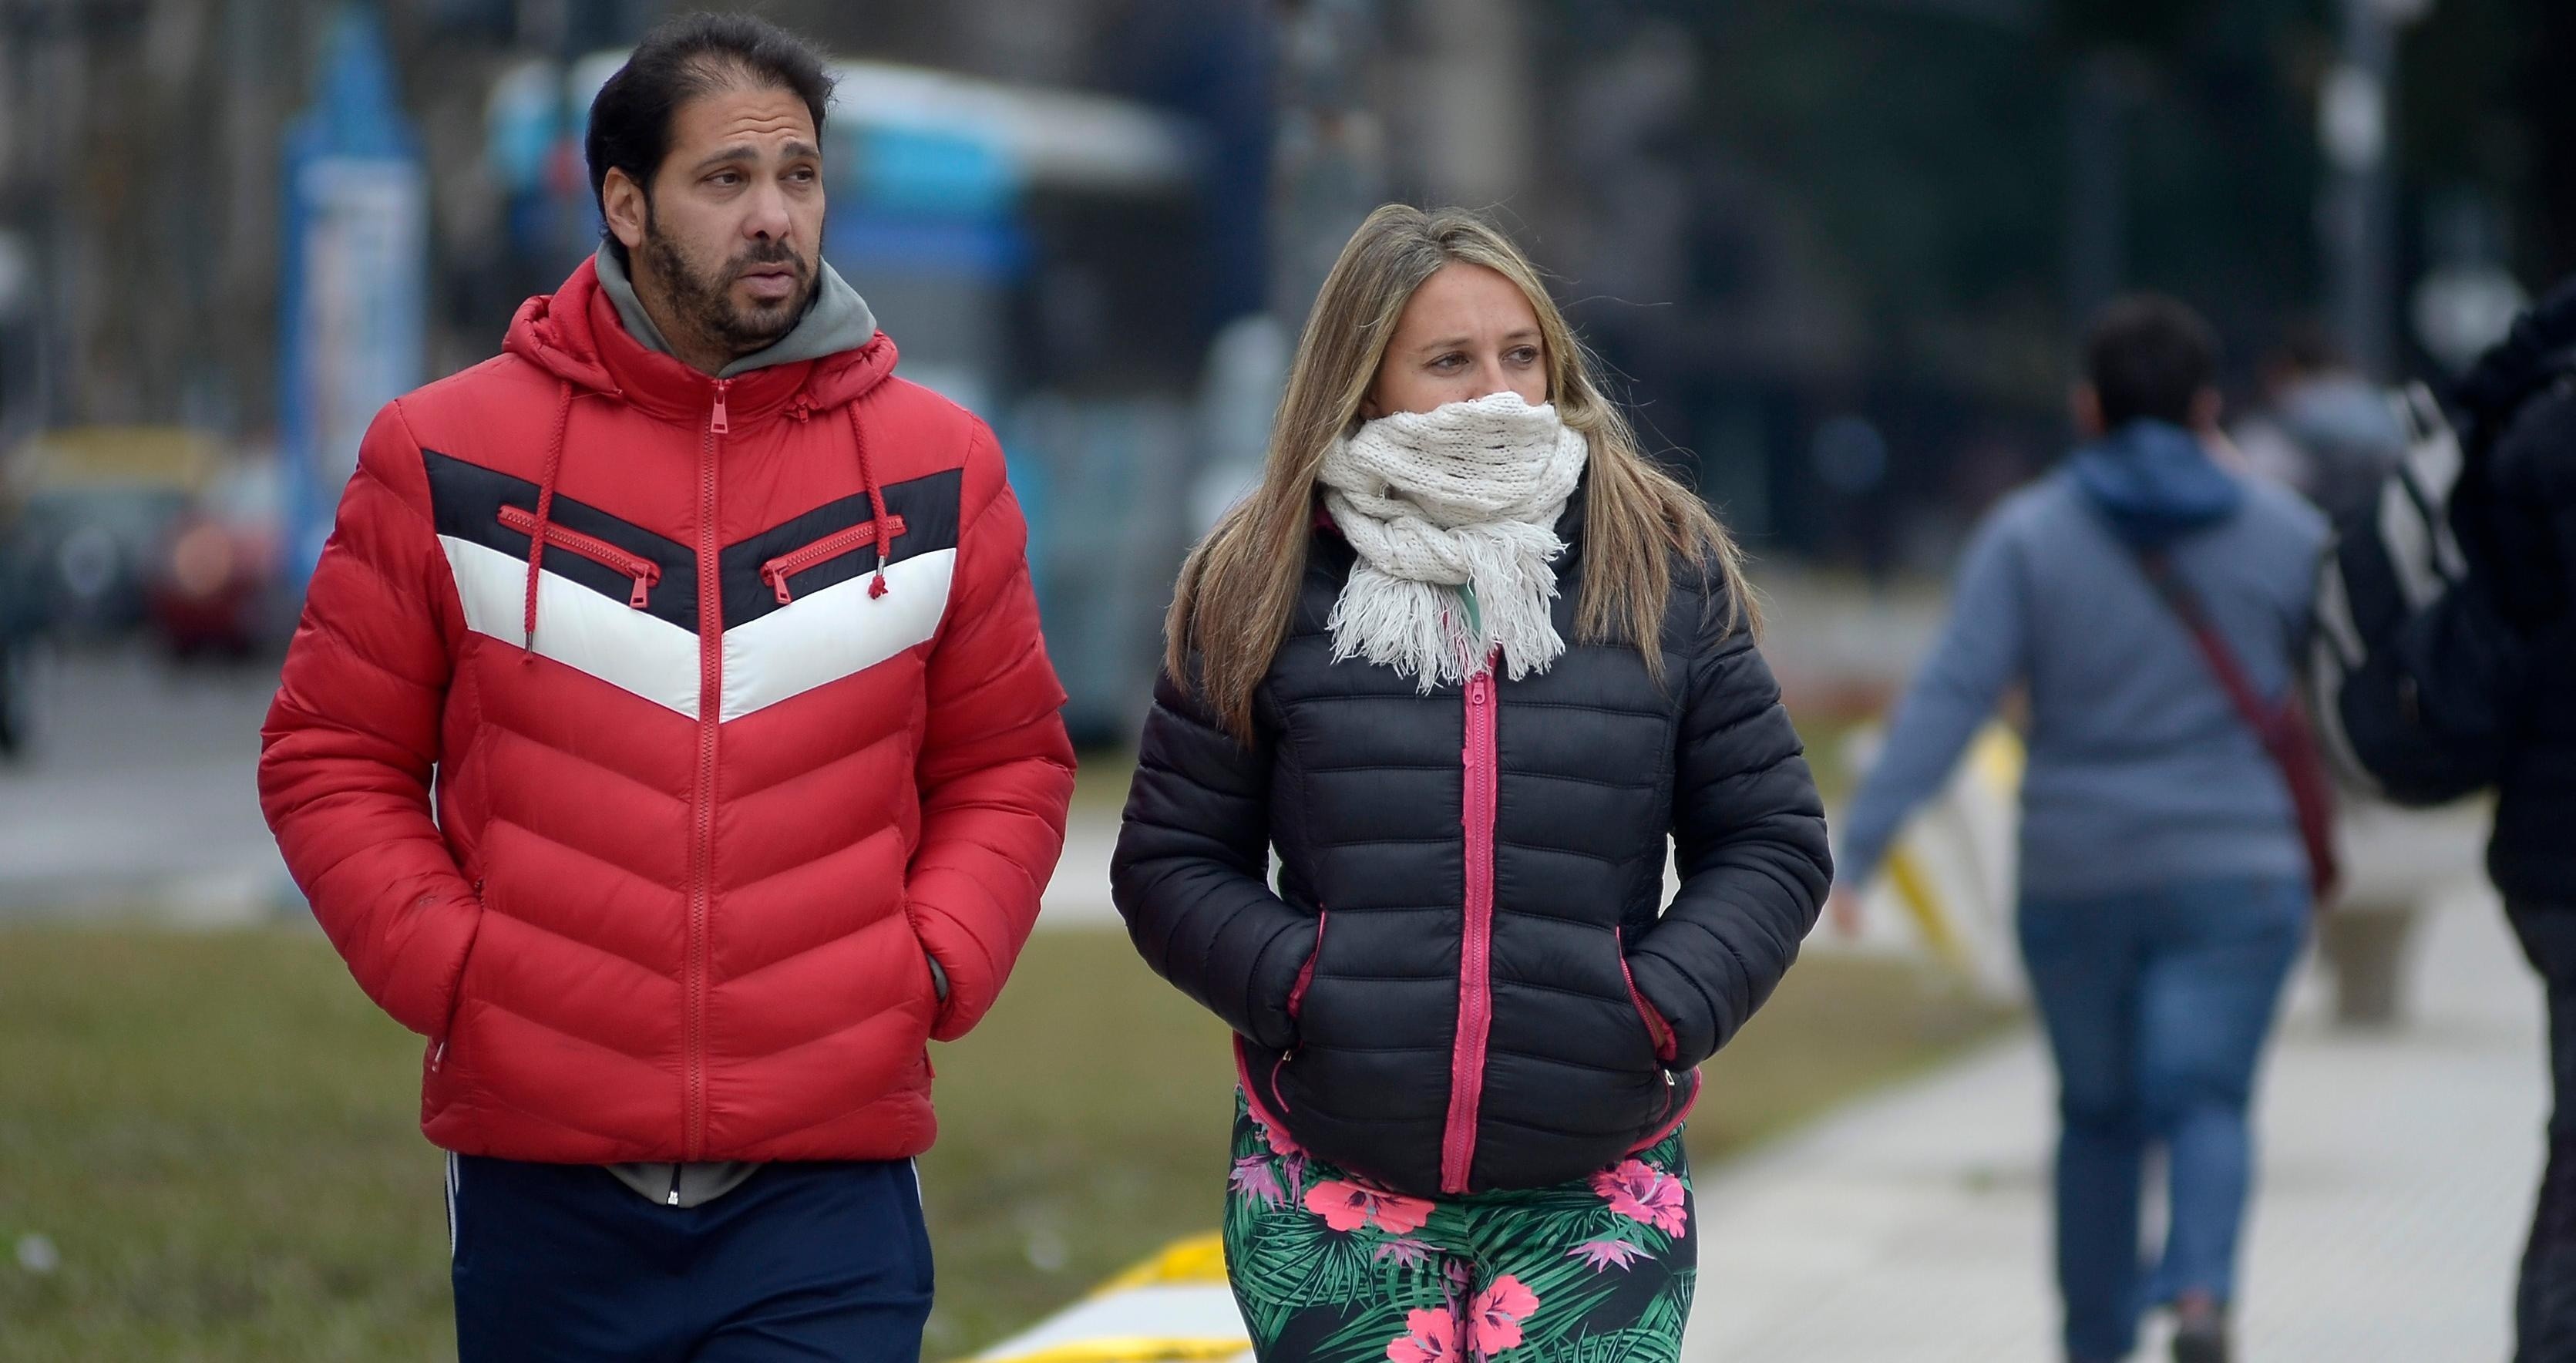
{"points": [[1525, 355], [1449, 361]]}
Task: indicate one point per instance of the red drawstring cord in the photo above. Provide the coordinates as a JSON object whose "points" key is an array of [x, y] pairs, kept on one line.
{"points": [[876, 501], [545, 510]]}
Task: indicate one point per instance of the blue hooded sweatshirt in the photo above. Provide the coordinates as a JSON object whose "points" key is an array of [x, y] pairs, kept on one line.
{"points": [[2141, 772]]}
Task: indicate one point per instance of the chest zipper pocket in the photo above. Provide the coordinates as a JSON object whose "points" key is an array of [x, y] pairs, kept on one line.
{"points": [[644, 571], [861, 536]]}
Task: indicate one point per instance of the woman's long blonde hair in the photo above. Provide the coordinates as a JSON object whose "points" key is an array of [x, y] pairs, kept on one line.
{"points": [[1238, 587]]}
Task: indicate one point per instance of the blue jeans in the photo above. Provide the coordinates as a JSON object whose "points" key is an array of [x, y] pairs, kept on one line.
{"points": [[2157, 1005]]}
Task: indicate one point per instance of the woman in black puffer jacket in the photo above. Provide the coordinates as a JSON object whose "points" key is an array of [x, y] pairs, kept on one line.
{"points": [[1467, 662]]}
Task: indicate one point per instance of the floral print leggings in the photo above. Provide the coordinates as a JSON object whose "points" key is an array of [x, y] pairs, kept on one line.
{"points": [[1329, 1269]]}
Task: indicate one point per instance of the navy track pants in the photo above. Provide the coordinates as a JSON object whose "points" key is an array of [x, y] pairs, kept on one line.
{"points": [[802, 1262]]}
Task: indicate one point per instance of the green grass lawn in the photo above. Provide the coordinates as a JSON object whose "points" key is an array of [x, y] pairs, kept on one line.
{"points": [[217, 1134]]}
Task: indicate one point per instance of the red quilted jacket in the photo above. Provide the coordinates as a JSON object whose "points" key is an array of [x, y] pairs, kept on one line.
{"points": [[738, 713]]}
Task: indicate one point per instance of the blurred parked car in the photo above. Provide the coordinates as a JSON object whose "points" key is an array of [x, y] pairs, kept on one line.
{"points": [[95, 509], [213, 585]]}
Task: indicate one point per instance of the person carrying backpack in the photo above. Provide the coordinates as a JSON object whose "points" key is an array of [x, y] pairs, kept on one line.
{"points": [[2454, 670], [2152, 603]]}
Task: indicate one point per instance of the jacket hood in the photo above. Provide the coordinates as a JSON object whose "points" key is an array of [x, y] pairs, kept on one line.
{"points": [[837, 319], [578, 335], [2155, 482]]}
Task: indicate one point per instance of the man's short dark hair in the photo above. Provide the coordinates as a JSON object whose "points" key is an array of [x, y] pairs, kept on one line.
{"points": [[679, 60], [2147, 358]]}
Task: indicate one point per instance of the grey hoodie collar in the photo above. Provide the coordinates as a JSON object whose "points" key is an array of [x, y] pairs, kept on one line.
{"points": [[837, 320]]}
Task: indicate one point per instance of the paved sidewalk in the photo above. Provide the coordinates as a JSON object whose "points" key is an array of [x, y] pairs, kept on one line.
{"points": [[140, 796], [2397, 1171]]}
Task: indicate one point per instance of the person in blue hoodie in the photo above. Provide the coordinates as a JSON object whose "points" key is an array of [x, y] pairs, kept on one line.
{"points": [[2164, 886]]}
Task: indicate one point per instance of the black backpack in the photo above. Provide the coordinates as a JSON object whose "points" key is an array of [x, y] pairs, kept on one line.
{"points": [[2385, 567]]}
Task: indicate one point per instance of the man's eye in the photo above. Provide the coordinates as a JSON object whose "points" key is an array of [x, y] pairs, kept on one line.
{"points": [[724, 179]]}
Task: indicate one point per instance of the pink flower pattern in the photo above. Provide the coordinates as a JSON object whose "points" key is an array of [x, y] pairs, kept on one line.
{"points": [[1278, 1140], [1641, 1192], [1294, 1166], [1404, 1250], [1489, 1326], [1254, 1178], [1346, 1206], [1606, 1253], [1429, 1337], [1494, 1318]]}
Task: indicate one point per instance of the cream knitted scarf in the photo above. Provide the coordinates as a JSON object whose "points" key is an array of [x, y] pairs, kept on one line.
{"points": [[1466, 496]]}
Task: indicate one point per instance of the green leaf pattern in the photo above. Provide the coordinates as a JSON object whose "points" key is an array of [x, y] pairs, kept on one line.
{"points": [[1328, 1268]]}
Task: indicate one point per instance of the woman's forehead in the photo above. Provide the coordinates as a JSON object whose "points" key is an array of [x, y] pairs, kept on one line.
{"points": [[1463, 301]]}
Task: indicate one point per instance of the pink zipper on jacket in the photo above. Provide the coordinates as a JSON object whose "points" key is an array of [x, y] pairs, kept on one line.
{"points": [[1475, 964], [1297, 1006]]}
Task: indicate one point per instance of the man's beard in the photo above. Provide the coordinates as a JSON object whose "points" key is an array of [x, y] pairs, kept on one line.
{"points": [[705, 301]]}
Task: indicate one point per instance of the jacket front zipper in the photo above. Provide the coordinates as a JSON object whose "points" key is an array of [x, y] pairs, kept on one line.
{"points": [[644, 570], [693, 1028], [1478, 761], [863, 535]]}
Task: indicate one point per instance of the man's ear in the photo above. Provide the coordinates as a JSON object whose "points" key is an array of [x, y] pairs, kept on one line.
{"points": [[2085, 405], [623, 204]]}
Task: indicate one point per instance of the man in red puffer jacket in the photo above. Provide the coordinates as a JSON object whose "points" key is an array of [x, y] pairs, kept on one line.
{"points": [[718, 642]]}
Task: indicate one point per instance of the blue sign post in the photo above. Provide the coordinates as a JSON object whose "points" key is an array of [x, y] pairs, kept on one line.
{"points": [[355, 273]]}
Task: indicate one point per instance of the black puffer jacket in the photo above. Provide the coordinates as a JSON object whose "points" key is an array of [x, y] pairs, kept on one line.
{"points": [[1464, 982]]}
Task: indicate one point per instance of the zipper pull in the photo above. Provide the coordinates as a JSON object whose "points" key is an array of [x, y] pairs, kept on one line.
{"points": [[778, 580], [642, 581], [717, 422], [674, 1199], [437, 1056]]}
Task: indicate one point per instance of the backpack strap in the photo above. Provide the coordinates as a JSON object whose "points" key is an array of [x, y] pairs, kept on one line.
{"points": [[2282, 728]]}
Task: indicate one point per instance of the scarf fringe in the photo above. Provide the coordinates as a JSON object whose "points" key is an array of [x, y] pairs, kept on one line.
{"points": [[1464, 496]]}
